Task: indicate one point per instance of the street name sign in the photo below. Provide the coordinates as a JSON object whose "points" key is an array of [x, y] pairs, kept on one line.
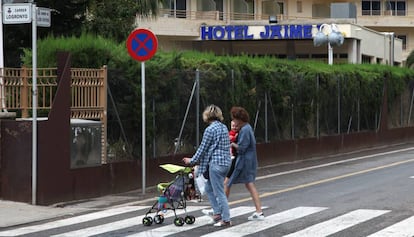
{"points": [[43, 17], [17, 13]]}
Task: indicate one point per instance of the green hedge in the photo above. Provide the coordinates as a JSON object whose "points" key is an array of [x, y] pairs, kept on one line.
{"points": [[295, 101]]}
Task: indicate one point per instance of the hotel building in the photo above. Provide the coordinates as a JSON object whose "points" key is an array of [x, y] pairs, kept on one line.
{"points": [[375, 31]]}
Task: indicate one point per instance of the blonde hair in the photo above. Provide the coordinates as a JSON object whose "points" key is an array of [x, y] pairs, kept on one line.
{"points": [[211, 113]]}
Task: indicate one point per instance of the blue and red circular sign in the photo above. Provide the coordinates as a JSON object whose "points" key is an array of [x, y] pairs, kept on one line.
{"points": [[142, 44]]}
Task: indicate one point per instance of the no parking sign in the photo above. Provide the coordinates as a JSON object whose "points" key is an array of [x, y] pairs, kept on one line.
{"points": [[142, 44]]}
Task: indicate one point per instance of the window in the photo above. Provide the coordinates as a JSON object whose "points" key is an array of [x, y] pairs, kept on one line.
{"points": [[366, 59], [243, 9], [299, 6], [395, 8], [371, 8], [175, 8], [404, 41], [272, 7]]}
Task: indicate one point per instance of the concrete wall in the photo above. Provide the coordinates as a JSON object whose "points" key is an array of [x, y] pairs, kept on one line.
{"points": [[58, 183]]}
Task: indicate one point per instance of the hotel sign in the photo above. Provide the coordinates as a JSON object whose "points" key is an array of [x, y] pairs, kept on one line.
{"points": [[245, 32]]}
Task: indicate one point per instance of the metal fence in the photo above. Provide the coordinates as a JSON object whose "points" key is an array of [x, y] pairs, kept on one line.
{"points": [[88, 89], [304, 108]]}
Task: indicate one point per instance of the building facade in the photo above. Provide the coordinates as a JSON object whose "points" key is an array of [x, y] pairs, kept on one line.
{"points": [[375, 31]]}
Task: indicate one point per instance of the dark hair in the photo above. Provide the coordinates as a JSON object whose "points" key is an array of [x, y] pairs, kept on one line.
{"points": [[239, 113]]}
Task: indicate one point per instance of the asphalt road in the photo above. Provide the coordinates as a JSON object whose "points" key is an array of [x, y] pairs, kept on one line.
{"points": [[364, 193]]}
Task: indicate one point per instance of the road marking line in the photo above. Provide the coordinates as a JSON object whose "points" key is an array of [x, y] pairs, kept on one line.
{"points": [[323, 181], [333, 163], [117, 225], [339, 223], [71, 220], [297, 171], [252, 227], [400, 229]]}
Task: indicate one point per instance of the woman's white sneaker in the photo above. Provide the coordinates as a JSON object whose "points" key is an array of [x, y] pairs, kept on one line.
{"points": [[256, 217], [207, 212]]}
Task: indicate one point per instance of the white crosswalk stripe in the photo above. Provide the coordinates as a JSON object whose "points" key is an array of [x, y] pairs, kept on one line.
{"points": [[270, 221], [100, 223], [404, 228], [71, 221], [200, 221], [339, 223], [100, 229]]}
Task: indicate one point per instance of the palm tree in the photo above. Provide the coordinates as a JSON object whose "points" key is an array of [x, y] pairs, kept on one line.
{"points": [[410, 60], [148, 7]]}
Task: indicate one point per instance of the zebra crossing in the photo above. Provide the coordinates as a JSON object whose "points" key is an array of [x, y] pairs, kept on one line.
{"points": [[126, 221]]}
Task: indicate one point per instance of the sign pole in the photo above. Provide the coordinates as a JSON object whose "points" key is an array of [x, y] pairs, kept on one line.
{"points": [[143, 124], [34, 104], [142, 45], [2, 98], [1, 38], [23, 13]]}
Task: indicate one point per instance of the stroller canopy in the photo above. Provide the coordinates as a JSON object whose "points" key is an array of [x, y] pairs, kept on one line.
{"points": [[176, 168]]}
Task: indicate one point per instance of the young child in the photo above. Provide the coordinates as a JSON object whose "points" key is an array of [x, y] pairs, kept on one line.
{"points": [[234, 131], [233, 138]]}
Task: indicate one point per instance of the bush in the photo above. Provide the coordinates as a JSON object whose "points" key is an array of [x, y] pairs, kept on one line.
{"points": [[303, 97]]}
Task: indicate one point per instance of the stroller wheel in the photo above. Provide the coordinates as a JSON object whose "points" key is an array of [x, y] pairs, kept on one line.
{"points": [[158, 219], [147, 221], [189, 220], [179, 221]]}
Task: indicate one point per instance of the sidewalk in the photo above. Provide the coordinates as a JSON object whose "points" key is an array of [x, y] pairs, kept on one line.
{"points": [[18, 213]]}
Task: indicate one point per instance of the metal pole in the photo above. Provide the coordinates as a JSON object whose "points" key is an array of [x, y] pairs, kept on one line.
{"points": [[330, 54], [232, 85], [359, 106], [1, 38], [2, 98], [34, 104], [185, 117], [411, 107], [392, 48], [317, 106], [293, 122], [143, 123], [197, 108], [339, 105], [154, 142], [266, 127]]}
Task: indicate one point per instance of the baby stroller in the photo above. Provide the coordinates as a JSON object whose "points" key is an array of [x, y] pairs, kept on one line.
{"points": [[173, 196]]}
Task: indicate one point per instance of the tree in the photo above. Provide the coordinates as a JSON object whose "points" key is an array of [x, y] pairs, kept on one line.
{"points": [[67, 17], [410, 60], [112, 19], [115, 19]]}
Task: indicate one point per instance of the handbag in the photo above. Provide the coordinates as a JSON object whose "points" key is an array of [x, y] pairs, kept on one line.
{"points": [[201, 184]]}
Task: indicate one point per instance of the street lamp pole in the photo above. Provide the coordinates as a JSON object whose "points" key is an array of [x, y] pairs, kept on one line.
{"points": [[330, 54], [391, 47], [333, 38]]}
